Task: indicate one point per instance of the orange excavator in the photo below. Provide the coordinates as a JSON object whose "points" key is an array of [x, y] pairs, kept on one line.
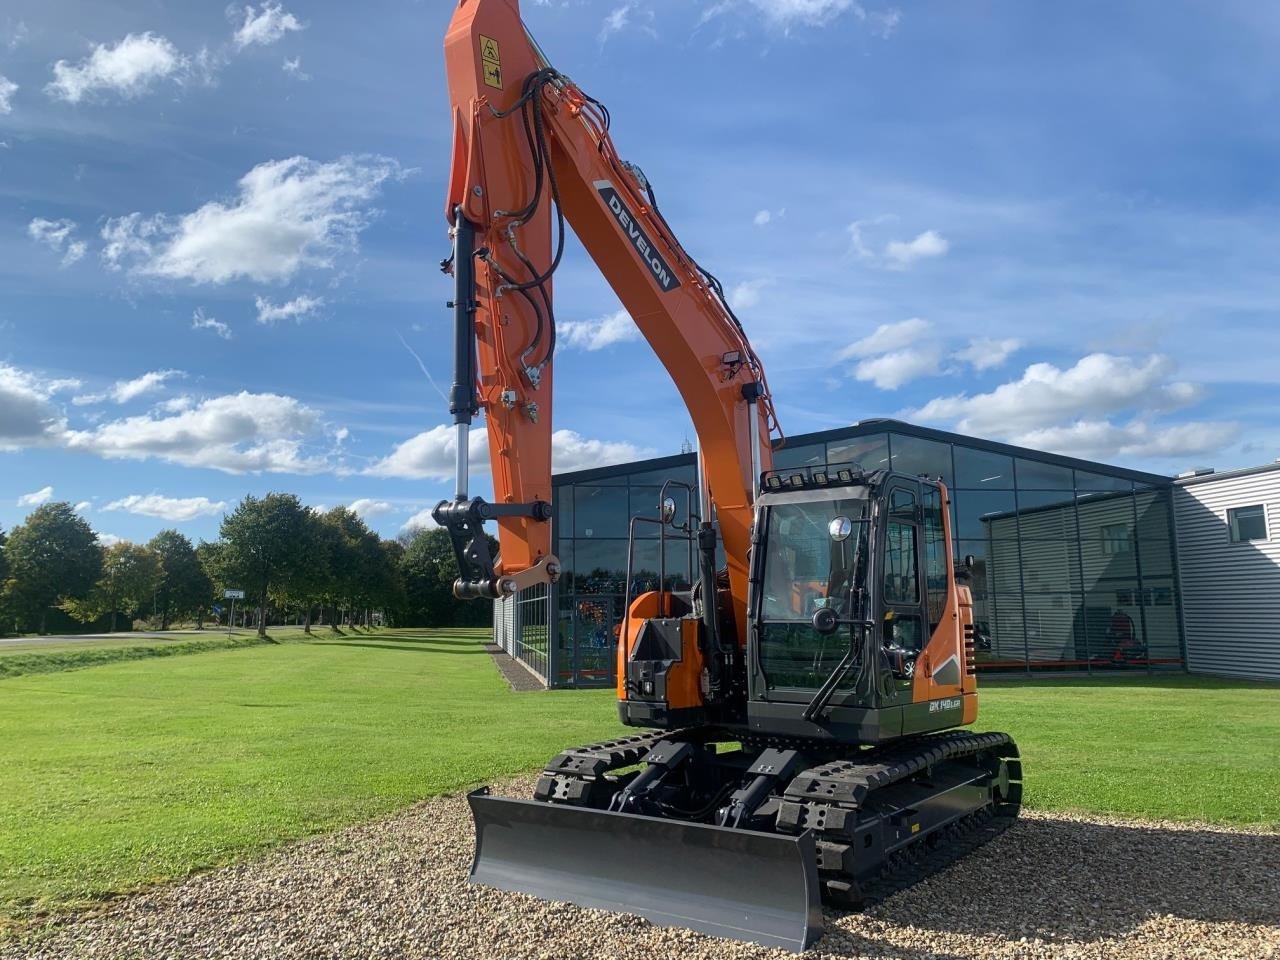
{"points": [[798, 703]]}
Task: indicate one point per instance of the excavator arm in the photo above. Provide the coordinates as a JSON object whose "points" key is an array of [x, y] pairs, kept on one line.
{"points": [[531, 151]]}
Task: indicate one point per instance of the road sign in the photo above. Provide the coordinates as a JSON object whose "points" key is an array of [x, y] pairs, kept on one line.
{"points": [[233, 594]]}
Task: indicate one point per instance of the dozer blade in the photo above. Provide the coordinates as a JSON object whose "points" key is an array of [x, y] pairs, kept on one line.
{"points": [[759, 887]]}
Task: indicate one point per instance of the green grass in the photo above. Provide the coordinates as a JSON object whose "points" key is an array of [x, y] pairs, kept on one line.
{"points": [[31, 656], [133, 772], [138, 771], [1174, 747]]}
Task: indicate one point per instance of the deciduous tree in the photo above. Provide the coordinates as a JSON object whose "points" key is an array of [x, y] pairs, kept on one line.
{"points": [[264, 547], [53, 556], [130, 576], [185, 589]]}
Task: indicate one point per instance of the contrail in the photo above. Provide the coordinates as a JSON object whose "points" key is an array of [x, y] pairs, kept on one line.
{"points": [[423, 367]]}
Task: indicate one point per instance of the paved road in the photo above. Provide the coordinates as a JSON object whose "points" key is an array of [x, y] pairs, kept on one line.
{"points": [[131, 635]]}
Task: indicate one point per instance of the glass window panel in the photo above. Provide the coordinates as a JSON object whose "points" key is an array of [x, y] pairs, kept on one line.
{"points": [[1156, 557], [600, 566], [865, 453], [1153, 515], [1099, 566], [1100, 481], [1113, 624], [1008, 639], [645, 567], [986, 513], [981, 470], [914, 456], [810, 455], [1038, 475], [977, 549], [562, 499], [1247, 523], [935, 555], [901, 579], [595, 622], [1050, 566], [1004, 567], [600, 511], [1055, 630], [1160, 620], [1046, 514], [644, 503], [1107, 510], [684, 473]]}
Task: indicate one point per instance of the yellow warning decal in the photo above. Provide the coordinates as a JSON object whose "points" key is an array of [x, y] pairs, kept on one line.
{"points": [[915, 828], [491, 59]]}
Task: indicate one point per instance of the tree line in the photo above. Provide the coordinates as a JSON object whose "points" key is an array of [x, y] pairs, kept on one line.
{"points": [[295, 564]]}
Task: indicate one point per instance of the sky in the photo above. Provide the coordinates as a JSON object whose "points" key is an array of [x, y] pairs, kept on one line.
{"points": [[1053, 225]]}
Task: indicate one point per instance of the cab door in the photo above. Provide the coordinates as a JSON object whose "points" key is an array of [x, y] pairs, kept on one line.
{"points": [[904, 628]]}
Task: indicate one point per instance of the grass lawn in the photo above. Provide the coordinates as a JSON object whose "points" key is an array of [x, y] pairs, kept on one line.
{"points": [[137, 771]]}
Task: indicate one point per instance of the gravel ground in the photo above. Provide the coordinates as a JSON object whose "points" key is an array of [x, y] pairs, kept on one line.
{"points": [[1052, 886]]}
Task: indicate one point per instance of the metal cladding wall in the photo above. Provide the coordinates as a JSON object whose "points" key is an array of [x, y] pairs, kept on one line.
{"points": [[1230, 590]]}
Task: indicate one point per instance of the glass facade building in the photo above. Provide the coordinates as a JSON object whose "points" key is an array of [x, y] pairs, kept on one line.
{"points": [[1073, 561]]}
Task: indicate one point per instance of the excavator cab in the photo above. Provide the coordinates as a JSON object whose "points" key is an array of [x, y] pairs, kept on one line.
{"points": [[857, 632]]}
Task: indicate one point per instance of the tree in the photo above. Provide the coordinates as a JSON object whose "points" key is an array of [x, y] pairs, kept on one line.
{"points": [[53, 556], [185, 589], [428, 569], [264, 547], [6, 620], [311, 582], [130, 576]]}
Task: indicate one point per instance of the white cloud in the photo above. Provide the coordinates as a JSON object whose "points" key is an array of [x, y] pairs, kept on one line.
{"points": [[289, 214], [1098, 385], [431, 454], [572, 451], [761, 218], [7, 89], [235, 433], [985, 353], [295, 309], [16, 34], [265, 26], [82, 506], [891, 370], [1102, 407], [56, 235], [1137, 438], [27, 417], [43, 495], [129, 68], [615, 22], [201, 322], [785, 14], [747, 294], [896, 254], [597, 334], [422, 520], [176, 404], [294, 68], [175, 509], [887, 337], [901, 254], [366, 508], [109, 539], [126, 390]]}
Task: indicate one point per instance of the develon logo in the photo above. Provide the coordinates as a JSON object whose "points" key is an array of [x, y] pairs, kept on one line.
{"points": [[661, 272]]}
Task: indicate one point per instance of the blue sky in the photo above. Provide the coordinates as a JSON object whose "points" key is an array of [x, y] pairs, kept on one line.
{"points": [[219, 229]]}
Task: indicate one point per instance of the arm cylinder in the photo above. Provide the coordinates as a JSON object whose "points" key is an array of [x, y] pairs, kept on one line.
{"points": [[462, 394]]}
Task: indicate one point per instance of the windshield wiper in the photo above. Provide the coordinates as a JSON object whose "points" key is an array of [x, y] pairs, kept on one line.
{"points": [[828, 689]]}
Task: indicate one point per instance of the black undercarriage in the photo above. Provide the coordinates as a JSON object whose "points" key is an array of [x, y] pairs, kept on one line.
{"points": [[874, 814]]}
